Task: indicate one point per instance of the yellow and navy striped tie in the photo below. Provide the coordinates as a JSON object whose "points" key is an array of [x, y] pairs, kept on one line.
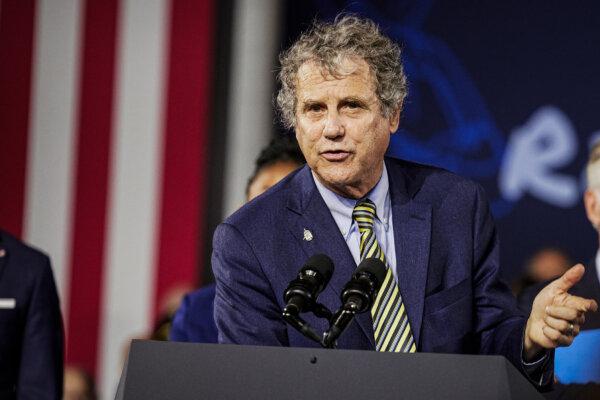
{"points": [[390, 320]]}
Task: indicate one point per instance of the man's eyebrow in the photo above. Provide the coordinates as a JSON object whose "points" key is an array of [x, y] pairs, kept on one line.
{"points": [[310, 102], [354, 99]]}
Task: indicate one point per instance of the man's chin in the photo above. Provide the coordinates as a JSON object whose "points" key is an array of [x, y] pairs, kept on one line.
{"points": [[334, 179], [339, 183]]}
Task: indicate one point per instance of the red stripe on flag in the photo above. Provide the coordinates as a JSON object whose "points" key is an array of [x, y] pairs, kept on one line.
{"points": [[17, 19], [184, 158], [92, 172]]}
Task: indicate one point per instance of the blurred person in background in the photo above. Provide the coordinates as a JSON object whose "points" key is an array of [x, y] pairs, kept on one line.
{"points": [[194, 321], [79, 385], [589, 285], [580, 364], [168, 307], [31, 333], [545, 264], [281, 156]]}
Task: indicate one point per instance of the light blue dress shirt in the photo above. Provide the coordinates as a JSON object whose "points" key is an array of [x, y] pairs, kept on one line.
{"points": [[341, 209]]}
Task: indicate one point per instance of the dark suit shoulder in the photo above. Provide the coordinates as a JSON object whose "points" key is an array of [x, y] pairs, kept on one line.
{"points": [[30, 259], [36, 325], [430, 184]]}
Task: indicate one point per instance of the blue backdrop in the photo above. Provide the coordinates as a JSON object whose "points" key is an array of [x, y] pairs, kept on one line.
{"points": [[503, 92]]}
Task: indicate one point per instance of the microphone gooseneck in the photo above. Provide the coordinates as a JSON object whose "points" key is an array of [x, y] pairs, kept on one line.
{"points": [[357, 297]]}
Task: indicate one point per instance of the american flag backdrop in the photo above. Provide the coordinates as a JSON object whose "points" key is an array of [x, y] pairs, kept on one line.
{"points": [[106, 109]]}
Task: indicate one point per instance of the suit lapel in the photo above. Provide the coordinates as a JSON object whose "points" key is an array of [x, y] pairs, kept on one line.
{"points": [[309, 212], [412, 233]]}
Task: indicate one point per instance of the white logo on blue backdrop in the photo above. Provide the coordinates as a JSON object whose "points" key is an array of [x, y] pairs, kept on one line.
{"points": [[527, 162]]}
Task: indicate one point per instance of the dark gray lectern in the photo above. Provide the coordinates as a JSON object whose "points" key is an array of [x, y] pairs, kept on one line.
{"points": [[163, 370]]}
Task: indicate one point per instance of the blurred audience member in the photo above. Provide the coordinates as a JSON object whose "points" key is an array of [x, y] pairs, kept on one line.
{"points": [[545, 264], [31, 334], [589, 285], [169, 305], [548, 263], [281, 156], [580, 363], [194, 320], [79, 385]]}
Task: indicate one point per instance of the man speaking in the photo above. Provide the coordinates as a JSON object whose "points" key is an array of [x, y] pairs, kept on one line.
{"points": [[342, 90]]}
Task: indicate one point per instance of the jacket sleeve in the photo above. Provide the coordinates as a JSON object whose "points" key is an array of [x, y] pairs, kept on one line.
{"points": [[499, 323], [246, 309], [41, 369]]}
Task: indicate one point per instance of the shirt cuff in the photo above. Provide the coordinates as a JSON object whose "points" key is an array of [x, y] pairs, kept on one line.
{"points": [[539, 370]]}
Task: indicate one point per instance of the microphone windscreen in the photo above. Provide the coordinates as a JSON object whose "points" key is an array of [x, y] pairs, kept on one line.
{"points": [[321, 264], [373, 266]]}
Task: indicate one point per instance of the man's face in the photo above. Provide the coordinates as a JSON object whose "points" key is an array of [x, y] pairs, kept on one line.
{"points": [[340, 127]]}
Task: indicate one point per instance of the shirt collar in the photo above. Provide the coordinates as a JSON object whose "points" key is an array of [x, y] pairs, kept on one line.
{"points": [[341, 207]]}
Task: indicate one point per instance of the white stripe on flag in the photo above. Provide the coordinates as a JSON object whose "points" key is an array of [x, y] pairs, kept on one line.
{"points": [[255, 40], [50, 175], [134, 182]]}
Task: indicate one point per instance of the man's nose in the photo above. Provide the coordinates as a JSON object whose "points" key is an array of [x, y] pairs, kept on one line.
{"points": [[333, 126]]}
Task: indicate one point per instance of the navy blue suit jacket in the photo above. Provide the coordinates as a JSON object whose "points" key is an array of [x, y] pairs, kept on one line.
{"points": [[31, 335], [447, 265]]}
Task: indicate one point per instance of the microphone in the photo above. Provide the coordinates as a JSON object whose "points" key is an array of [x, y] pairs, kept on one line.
{"points": [[357, 297], [301, 294]]}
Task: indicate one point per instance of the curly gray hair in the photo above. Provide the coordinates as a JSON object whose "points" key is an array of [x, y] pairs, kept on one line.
{"points": [[329, 44]]}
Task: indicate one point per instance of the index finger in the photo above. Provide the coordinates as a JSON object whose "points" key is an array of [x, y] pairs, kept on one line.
{"points": [[563, 312], [581, 304]]}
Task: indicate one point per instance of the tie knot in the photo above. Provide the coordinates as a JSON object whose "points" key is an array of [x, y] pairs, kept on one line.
{"points": [[364, 213]]}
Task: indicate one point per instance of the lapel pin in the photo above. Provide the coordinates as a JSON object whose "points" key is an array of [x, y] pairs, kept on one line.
{"points": [[308, 236]]}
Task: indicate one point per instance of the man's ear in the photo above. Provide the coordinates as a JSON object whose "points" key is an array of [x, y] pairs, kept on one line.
{"points": [[394, 120], [592, 207]]}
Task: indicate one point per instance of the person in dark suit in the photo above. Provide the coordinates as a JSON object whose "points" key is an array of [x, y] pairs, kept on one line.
{"points": [[194, 320], [342, 88], [31, 334]]}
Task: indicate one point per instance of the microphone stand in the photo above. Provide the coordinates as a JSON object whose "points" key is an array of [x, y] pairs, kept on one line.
{"points": [[290, 314], [338, 324]]}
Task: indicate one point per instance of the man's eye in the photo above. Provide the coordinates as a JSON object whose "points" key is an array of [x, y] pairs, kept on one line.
{"points": [[314, 107], [352, 105]]}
